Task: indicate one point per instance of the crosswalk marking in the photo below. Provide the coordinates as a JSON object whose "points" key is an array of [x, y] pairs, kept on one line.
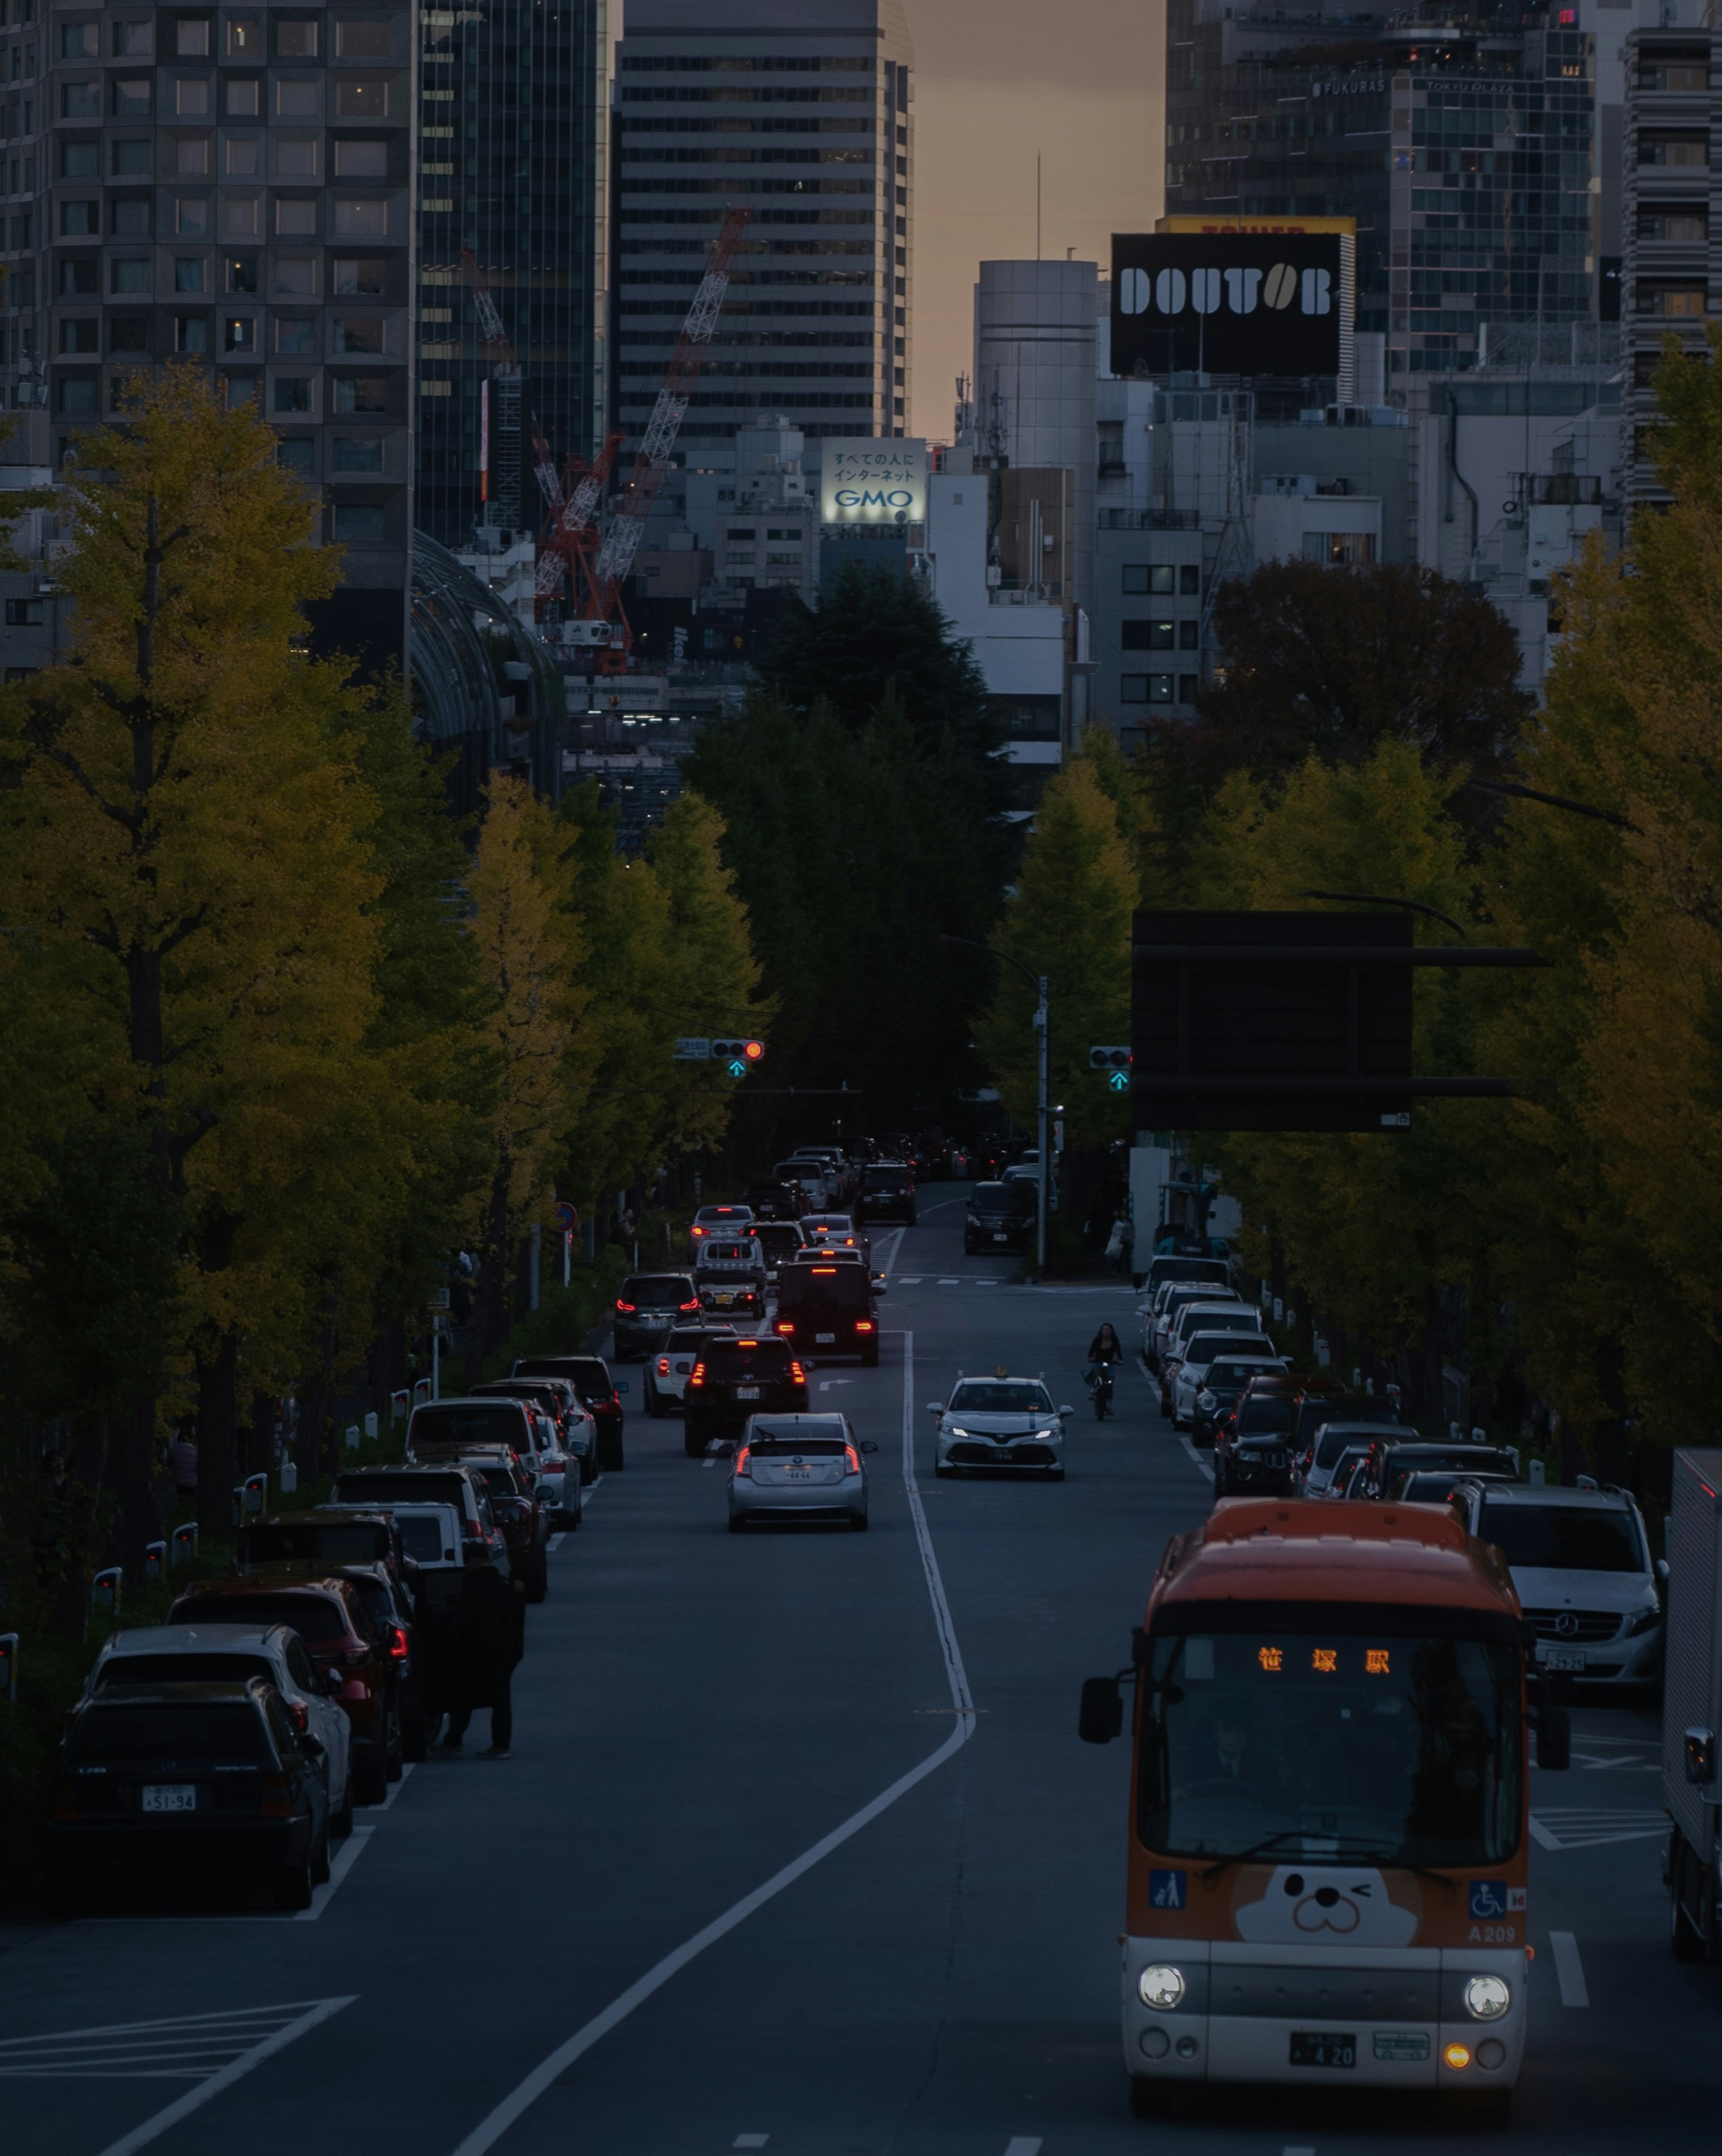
{"points": [[1592, 1826]]}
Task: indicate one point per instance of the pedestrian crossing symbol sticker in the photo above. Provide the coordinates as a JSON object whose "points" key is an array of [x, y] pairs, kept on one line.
{"points": [[1166, 1890]]}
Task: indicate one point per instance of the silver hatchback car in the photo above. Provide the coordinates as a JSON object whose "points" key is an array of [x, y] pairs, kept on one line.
{"points": [[799, 1467]]}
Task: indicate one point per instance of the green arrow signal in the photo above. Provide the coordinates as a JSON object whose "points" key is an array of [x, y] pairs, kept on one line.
{"points": [[1119, 1081], [737, 1069]]}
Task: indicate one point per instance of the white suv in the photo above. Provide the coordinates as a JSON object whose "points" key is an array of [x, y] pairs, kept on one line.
{"points": [[1582, 1565]]}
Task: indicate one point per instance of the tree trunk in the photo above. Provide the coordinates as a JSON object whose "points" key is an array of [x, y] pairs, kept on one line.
{"points": [[218, 1460]]}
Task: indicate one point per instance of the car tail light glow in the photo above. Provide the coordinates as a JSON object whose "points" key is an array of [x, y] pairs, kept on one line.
{"points": [[685, 1306], [798, 1374], [299, 1712], [786, 1327], [274, 1799], [625, 1306], [399, 1644], [864, 1324], [663, 1366], [854, 1459], [742, 1459], [696, 1376], [747, 1343]]}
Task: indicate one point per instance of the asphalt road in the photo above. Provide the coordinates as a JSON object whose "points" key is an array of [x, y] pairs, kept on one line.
{"points": [[798, 1851]]}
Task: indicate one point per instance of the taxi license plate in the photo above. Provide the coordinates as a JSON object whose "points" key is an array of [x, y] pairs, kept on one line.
{"points": [[1561, 1658], [170, 1796], [1323, 2049], [747, 1392], [824, 1339]]}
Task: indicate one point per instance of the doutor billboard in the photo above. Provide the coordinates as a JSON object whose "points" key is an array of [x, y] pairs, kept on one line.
{"points": [[1232, 303]]}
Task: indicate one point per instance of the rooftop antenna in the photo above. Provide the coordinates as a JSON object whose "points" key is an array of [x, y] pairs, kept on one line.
{"points": [[1037, 205]]}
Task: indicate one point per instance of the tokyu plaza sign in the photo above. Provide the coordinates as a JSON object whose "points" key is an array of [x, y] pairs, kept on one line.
{"points": [[872, 481]]}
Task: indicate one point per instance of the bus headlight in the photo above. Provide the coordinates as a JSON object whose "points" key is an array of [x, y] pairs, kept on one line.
{"points": [[1160, 1986], [1487, 1998]]}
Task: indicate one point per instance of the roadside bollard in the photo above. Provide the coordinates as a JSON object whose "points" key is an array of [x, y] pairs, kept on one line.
{"points": [[400, 1405], [370, 1431], [184, 1547], [105, 1588], [353, 1437], [256, 1489], [155, 1560]]}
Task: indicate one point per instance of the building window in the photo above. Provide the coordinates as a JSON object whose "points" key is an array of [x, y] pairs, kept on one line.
{"points": [[134, 41], [132, 277], [362, 393], [79, 280], [362, 279], [1148, 635], [81, 336], [191, 40], [192, 214], [364, 522], [25, 614], [296, 97], [131, 217], [242, 156], [1188, 686], [361, 220], [191, 158], [81, 161], [78, 220], [1687, 226], [80, 100], [76, 395], [241, 389], [80, 41], [131, 98], [298, 452], [359, 334], [361, 41], [358, 456], [1189, 635], [242, 273], [245, 39], [1340, 549], [189, 272], [1143, 577], [296, 41], [362, 161], [243, 102], [362, 100], [292, 393], [1684, 300], [132, 161], [296, 276], [1674, 149], [738, 561], [296, 220], [1190, 579], [297, 158], [241, 215], [239, 333], [191, 97], [129, 333], [1145, 689], [191, 333], [297, 337]]}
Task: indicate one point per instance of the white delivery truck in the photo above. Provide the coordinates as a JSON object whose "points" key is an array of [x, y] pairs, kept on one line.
{"points": [[1691, 1706]]}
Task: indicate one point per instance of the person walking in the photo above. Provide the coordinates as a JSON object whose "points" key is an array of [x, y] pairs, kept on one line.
{"points": [[183, 1466], [490, 1638]]}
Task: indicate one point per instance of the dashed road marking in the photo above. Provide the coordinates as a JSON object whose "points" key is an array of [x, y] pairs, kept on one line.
{"points": [[1569, 1969], [1023, 2144], [750, 2141], [342, 1863]]}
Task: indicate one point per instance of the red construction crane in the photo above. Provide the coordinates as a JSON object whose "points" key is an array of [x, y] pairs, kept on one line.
{"points": [[505, 374], [602, 625]]}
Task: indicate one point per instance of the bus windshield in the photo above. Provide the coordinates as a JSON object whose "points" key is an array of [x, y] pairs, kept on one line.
{"points": [[1395, 1747]]}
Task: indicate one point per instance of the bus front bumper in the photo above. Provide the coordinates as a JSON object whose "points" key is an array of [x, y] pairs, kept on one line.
{"points": [[1386, 2017]]}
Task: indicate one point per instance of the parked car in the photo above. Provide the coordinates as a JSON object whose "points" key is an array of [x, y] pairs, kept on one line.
{"points": [[1192, 1271], [330, 1617], [798, 1467], [648, 1303], [826, 1304], [449, 1481], [1324, 1400], [1391, 1460], [729, 1278], [190, 1778], [1227, 1377], [523, 1517], [1580, 1562], [601, 1394], [999, 1216], [576, 1435], [432, 1536], [814, 1177], [1190, 1374], [1210, 1311], [1256, 1466], [999, 1423], [716, 1220], [668, 1368], [1319, 1472], [444, 1426], [887, 1193], [737, 1376], [144, 1657], [393, 1613], [313, 1543]]}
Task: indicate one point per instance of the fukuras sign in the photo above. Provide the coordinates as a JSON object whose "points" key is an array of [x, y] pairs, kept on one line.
{"points": [[867, 481], [1232, 303]]}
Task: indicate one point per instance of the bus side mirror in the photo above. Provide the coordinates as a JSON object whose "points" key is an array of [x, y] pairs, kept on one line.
{"points": [[1101, 1714], [1700, 1757], [1554, 1737]]}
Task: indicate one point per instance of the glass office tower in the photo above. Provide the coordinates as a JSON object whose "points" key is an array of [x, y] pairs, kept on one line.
{"points": [[513, 170]]}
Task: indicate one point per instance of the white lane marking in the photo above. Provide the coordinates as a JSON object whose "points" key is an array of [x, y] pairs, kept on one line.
{"points": [[306, 2018], [896, 1249], [1585, 1826], [910, 1280], [827, 1383], [394, 1791], [184, 2048], [557, 1539], [1023, 2144], [714, 1452], [491, 2129], [950, 1282], [344, 1860], [1297, 2152], [1569, 1969], [750, 2141]]}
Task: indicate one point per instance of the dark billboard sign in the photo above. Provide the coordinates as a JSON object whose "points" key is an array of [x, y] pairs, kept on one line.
{"points": [[1232, 303]]}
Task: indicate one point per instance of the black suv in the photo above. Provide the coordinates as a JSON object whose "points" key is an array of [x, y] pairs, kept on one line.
{"points": [[887, 1193], [826, 1302], [1001, 1217], [734, 1379]]}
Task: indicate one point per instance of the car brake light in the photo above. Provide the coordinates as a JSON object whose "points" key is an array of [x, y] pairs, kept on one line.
{"points": [[663, 1366], [864, 1324], [854, 1459], [742, 1459], [797, 1373], [398, 1645], [300, 1713], [786, 1327], [274, 1799], [629, 1306], [747, 1343], [694, 1305], [696, 1376]]}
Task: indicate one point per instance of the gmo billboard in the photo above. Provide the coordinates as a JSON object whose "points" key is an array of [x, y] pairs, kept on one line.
{"points": [[1232, 303], [872, 481]]}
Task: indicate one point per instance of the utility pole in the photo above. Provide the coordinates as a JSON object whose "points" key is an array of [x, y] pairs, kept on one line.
{"points": [[1045, 1134]]}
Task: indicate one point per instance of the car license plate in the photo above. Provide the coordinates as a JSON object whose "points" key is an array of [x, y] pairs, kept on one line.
{"points": [[824, 1339], [723, 1302], [170, 1796], [1561, 1658], [747, 1392], [798, 1473], [1311, 2049], [1001, 1239]]}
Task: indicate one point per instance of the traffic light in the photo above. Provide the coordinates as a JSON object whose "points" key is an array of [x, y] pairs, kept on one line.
{"points": [[1116, 1063], [738, 1055]]}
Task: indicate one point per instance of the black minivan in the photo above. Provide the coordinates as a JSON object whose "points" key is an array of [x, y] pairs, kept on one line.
{"points": [[1001, 1217], [825, 1307]]}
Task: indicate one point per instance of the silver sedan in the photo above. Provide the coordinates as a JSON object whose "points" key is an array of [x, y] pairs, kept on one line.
{"points": [[801, 1467]]}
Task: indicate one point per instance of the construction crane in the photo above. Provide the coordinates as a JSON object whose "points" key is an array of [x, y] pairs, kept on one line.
{"points": [[603, 626], [505, 376], [569, 539]]}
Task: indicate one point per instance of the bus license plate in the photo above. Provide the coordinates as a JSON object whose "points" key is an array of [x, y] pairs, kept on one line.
{"points": [[1562, 1658], [824, 1339], [170, 1796], [1326, 2049]]}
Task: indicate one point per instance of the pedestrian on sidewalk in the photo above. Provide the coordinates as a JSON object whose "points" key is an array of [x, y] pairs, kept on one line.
{"points": [[490, 1638]]}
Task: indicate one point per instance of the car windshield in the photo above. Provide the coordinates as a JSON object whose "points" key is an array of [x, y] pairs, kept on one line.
{"points": [[1267, 1413], [830, 1224], [209, 1666], [979, 1396], [1563, 1537], [748, 1359], [1385, 1746], [814, 1444], [322, 1542], [777, 1238], [314, 1617], [179, 1730], [716, 1215], [498, 1480], [1203, 1347], [658, 1289], [1224, 1377], [501, 1422], [1336, 1407], [1337, 1439]]}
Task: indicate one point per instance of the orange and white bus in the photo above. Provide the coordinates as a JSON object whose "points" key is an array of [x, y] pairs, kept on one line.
{"points": [[1327, 1868]]}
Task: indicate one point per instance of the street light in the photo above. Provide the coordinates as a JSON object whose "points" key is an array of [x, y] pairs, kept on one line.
{"points": [[1038, 983]]}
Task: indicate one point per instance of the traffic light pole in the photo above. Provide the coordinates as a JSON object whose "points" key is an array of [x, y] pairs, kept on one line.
{"points": [[1044, 1134]]}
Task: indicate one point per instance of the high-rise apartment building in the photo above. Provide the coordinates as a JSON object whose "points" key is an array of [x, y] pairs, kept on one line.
{"points": [[512, 172], [801, 110], [1463, 139], [232, 187]]}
